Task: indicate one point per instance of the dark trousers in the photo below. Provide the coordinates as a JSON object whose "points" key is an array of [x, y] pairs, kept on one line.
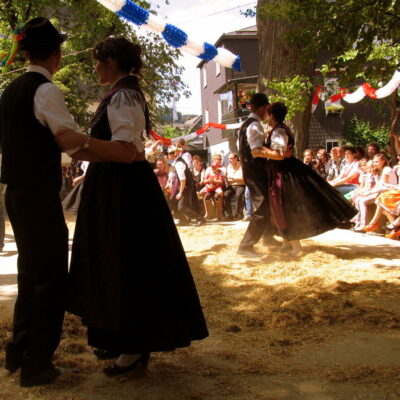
{"points": [[260, 223], [41, 235], [238, 192], [189, 206]]}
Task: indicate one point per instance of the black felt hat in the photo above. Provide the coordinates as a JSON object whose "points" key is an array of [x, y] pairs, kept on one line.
{"points": [[38, 33]]}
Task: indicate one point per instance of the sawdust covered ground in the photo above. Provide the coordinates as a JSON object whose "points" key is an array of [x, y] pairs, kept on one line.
{"points": [[324, 326]]}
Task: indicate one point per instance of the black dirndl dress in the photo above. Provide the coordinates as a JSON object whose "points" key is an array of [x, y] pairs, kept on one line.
{"points": [[302, 204], [130, 281]]}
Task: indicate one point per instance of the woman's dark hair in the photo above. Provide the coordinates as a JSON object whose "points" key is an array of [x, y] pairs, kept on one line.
{"points": [[375, 145], [350, 148], [127, 54], [198, 158], [361, 151], [278, 110]]}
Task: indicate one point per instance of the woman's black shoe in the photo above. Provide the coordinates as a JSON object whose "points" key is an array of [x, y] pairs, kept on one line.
{"points": [[106, 354], [115, 369]]}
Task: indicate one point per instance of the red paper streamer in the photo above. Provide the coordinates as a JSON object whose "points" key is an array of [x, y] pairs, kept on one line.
{"points": [[369, 90]]}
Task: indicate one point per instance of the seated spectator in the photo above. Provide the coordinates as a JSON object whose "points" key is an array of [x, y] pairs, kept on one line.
{"points": [[366, 179], [388, 203], [348, 178], [235, 187], [335, 164], [161, 171], [217, 158], [373, 148], [198, 172], [212, 189], [360, 152], [321, 165], [308, 158]]}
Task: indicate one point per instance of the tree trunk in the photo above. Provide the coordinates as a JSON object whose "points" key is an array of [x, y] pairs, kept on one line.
{"points": [[394, 122], [280, 58]]}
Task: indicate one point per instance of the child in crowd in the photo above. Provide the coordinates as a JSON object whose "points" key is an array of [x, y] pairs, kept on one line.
{"points": [[213, 182]]}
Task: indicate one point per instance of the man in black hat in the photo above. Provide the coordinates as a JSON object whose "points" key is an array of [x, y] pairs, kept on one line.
{"points": [[32, 110], [251, 137]]}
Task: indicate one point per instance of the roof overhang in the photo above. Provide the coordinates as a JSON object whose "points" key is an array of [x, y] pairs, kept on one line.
{"points": [[230, 84]]}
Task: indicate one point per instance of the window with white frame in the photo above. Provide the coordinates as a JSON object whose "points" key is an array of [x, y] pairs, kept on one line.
{"points": [[217, 69], [204, 76], [330, 143], [219, 111]]}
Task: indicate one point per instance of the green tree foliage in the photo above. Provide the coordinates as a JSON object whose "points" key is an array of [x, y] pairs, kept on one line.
{"points": [[87, 22], [169, 131], [360, 132], [291, 91], [360, 38]]}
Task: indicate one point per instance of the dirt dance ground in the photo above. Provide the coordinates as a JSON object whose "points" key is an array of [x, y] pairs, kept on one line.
{"points": [[325, 326]]}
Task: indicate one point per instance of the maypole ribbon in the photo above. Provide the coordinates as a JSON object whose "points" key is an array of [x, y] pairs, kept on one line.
{"points": [[193, 135], [172, 34]]}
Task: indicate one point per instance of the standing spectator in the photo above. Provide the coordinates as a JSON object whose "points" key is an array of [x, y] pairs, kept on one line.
{"points": [[373, 148], [199, 172], [348, 178], [308, 158], [161, 172], [321, 166], [236, 187], [181, 144], [213, 190], [188, 204], [334, 165]]}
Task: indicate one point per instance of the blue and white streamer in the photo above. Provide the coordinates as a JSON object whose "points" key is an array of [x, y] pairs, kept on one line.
{"points": [[172, 34]]}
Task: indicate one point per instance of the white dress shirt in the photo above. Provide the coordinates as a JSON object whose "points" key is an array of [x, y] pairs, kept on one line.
{"points": [[49, 106], [255, 133]]}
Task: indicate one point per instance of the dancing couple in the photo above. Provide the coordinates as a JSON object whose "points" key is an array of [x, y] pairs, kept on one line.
{"points": [[135, 295], [289, 198]]}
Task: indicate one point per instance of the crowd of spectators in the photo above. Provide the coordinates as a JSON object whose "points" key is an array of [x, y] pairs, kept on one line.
{"points": [[220, 190], [367, 178]]}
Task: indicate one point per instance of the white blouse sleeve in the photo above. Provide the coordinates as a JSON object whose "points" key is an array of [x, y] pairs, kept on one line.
{"points": [[126, 118], [279, 140]]}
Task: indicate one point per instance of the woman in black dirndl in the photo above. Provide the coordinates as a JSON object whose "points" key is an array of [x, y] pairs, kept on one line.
{"points": [[302, 204], [130, 281]]}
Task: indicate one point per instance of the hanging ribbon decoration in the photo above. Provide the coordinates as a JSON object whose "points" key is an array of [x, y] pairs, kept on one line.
{"points": [[173, 35], [193, 135], [364, 90]]}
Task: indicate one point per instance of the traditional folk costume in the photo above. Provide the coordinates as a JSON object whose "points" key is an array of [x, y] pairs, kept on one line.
{"points": [[251, 136], [32, 110], [132, 287], [302, 204], [188, 205]]}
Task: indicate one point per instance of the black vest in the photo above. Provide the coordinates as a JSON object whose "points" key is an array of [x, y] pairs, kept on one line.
{"points": [[31, 157], [253, 168], [190, 183]]}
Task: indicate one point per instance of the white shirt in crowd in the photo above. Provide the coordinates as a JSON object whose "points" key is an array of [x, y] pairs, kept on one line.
{"points": [[236, 174], [255, 133], [180, 168]]}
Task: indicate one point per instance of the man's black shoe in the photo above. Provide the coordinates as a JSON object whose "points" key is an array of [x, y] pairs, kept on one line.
{"points": [[248, 252], [13, 358], [44, 376], [200, 222]]}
